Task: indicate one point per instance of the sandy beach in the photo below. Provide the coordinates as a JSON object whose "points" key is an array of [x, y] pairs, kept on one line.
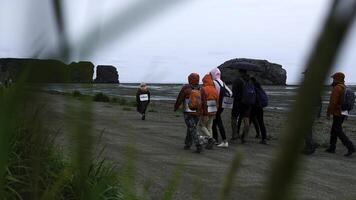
{"points": [[159, 144]]}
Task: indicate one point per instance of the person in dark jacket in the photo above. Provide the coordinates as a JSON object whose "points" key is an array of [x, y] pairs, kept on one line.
{"points": [[143, 98], [191, 117], [239, 109], [334, 109], [257, 113]]}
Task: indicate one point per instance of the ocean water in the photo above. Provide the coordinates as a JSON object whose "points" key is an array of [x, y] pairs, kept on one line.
{"points": [[280, 97]]}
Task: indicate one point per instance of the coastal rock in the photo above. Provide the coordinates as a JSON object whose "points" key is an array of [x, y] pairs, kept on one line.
{"points": [[106, 74], [273, 74], [81, 72], [48, 71]]}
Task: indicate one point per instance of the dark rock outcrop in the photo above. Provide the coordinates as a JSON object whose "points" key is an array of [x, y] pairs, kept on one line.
{"points": [[106, 74], [48, 71], [273, 74], [81, 72]]}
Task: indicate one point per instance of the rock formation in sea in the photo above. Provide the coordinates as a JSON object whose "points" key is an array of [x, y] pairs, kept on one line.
{"points": [[106, 74], [272, 74]]}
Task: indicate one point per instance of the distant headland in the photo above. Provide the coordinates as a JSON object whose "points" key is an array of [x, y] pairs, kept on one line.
{"points": [[55, 71]]}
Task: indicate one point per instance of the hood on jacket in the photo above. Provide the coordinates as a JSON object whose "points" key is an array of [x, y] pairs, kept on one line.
{"points": [[338, 77], [193, 79], [215, 74], [143, 87], [208, 81]]}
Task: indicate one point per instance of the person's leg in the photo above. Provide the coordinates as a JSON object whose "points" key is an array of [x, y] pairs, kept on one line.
{"points": [[256, 124], [220, 125], [234, 117], [209, 124], [333, 135], [246, 128], [341, 135], [203, 127], [188, 138], [215, 130], [245, 115], [261, 124]]}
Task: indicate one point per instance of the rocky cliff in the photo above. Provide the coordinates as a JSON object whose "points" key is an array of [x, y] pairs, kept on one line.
{"points": [[106, 74], [47, 71], [272, 74]]}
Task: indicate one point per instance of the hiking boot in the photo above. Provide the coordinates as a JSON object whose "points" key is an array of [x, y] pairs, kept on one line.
{"points": [[186, 147], [223, 145], [330, 150], [210, 144], [234, 140], [316, 145], [350, 152], [199, 149], [263, 142], [308, 151]]}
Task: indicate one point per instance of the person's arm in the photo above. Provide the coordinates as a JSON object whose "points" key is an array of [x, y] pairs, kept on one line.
{"points": [[180, 99], [149, 96], [138, 96]]}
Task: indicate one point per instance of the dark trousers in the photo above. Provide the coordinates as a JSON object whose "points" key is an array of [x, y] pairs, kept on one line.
{"points": [[257, 117], [337, 132], [191, 122], [217, 123]]}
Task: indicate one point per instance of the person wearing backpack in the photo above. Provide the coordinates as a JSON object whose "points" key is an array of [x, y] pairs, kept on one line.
{"points": [[143, 98], [224, 92], [244, 95], [335, 108], [257, 109], [191, 116], [209, 107]]}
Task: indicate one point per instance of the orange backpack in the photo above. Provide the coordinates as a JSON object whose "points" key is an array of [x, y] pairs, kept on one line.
{"points": [[194, 99]]}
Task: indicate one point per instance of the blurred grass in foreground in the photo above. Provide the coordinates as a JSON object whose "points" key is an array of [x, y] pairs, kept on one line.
{"points": [[32, 166]]}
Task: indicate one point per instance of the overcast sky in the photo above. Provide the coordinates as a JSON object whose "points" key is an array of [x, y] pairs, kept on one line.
{"points": [[192, 36]]}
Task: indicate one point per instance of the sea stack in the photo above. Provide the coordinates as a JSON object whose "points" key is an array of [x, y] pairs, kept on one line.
{"points": [[106, 74], [272, 74]]}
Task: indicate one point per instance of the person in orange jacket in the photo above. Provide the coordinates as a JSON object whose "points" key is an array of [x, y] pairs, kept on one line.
{"points": [[334, 109], [191, 117], [209, 107]]}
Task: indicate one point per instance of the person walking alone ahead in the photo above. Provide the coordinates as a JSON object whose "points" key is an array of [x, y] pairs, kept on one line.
{"points": [[143, 98], [223, 91], [334, 109], [191, 117], [209, 107]]}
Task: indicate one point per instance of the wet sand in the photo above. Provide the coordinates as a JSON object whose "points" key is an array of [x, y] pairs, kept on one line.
{"points": [[159, 143]]}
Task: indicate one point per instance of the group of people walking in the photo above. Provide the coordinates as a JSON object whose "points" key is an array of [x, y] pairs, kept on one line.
{"points": [[203, 107]]}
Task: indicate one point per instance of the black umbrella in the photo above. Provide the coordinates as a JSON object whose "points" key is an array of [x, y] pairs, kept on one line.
{"points": [[235, 64]]}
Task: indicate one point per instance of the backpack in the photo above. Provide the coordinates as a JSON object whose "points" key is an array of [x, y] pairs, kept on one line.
{"points": [[248, 93], [348, 100], [225, 99], [194, 101], [262, 98]]}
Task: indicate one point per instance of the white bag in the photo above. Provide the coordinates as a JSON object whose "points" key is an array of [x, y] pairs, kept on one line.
{"points": [[186, 107], [227, 102], [144, 97], [212, 106]]}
